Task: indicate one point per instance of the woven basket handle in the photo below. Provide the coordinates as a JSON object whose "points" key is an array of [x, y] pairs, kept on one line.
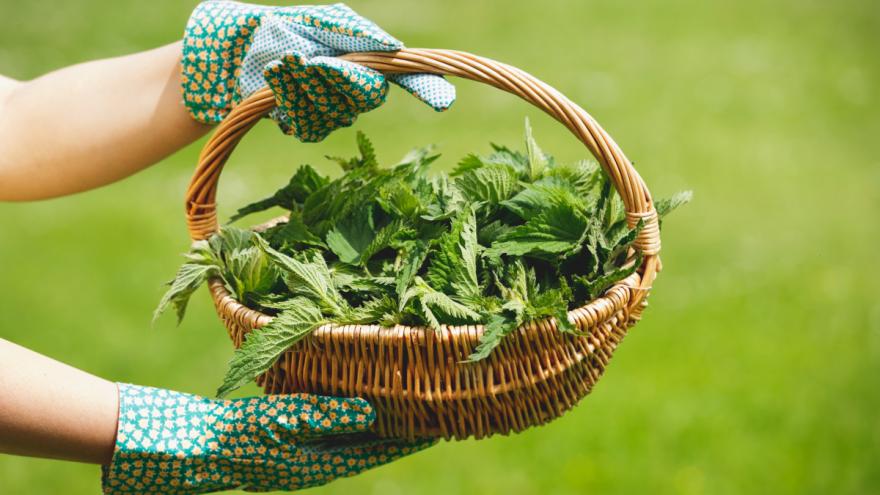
{"points": [[201, 211]]}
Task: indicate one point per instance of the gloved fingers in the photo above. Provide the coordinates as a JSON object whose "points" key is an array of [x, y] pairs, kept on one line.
{"points": [[339, 27], [362, 88], [318, 95], [301, 416], [317, 464], [275, 37], [366, 455], [432, 89]]}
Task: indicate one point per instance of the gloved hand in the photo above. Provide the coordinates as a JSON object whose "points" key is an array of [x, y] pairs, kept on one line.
{"points": [[231, 50], [174, 443]]}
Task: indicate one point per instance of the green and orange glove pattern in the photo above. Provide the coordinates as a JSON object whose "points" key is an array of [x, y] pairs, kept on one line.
{"points": [[174, 443], [231, 50]]}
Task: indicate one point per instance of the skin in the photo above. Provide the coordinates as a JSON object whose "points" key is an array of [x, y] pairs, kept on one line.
{"points": [[121, 115], [49, 409]]}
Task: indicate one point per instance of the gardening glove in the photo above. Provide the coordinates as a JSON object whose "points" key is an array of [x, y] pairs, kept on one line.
{"points": [[170, 442], [230, 50]]}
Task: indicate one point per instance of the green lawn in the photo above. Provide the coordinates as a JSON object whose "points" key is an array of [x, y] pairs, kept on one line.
{"points": [[755, 367]]}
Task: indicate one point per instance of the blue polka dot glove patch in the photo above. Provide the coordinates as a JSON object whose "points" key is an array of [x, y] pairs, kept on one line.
{"points": [[231, 50], [174, 443]]}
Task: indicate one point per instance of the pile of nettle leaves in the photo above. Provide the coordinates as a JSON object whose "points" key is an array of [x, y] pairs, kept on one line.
{"points": [[504, 239]]}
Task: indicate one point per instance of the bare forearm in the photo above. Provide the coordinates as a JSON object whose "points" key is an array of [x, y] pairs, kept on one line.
{"points": [[91, 124], [49, 409]]}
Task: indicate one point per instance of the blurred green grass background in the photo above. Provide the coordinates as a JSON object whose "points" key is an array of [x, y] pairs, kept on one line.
{"points": [[755, 370]]}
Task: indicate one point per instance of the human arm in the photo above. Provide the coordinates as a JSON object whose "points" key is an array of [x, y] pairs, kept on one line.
{"points": [[49, 409], [183, 443], [91, 124], [97, 122]]}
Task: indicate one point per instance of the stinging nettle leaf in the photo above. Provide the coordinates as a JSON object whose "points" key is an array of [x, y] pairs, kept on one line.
{"points": [[351, 237], [263, 346], [292, 233], [556, 230], [189, 278], [470, 162], [453, 267], [667, 205], [367, 158], [597, 287], [537, 196], [516, 160], [413, 259], [495, 328], [490, 184], [432, 301], [537, 159], [312, 279], [303, 183]]}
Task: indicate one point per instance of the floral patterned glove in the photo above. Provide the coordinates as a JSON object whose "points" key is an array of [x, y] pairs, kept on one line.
{"points": [[231, 50], [174, 443]]}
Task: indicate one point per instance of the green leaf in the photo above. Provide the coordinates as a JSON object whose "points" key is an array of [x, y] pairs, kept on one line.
{"points": [[538, 161], [312, 280], [596, 287], [491, 184], [351, 237], [399, 200], [368, 154], [550, 302], [189, 278], [494, 330], [517, 284], [665, 206], [431, 301], [622, 242], [606, 193], [446, 200], [230, 239], [516, 160], [465, 280], [536, 197], [366, 160], [263, 346], [415, 162], [470, 162], [343, 197], [558, 229], [412, 262], [293, 233], [372, 311], [584, 176], [490, 232], [304, 182], [453, 267], [382, 240], [362, 285], [250, 274]]}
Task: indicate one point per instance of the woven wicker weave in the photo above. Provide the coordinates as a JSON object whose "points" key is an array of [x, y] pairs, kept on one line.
{"points": [[414, 376]]}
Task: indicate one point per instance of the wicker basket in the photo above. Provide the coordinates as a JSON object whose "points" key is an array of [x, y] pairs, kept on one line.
{"points": [[414, 376]]}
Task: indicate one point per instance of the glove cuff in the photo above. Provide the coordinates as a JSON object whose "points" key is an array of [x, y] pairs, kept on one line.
{"points": [[218, 34], [159, 444]]}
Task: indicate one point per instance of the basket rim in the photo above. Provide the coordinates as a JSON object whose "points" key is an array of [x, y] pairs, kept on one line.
{"points": [[585, 316]]}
